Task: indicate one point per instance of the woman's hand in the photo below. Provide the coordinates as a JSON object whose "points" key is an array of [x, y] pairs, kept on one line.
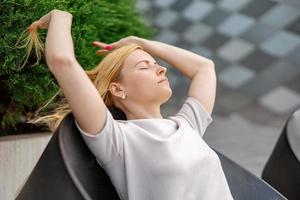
{"points": [[43, 22], [117, 44]]}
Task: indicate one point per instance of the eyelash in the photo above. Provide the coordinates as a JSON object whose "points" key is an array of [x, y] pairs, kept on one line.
{"points": [[147, 67]]}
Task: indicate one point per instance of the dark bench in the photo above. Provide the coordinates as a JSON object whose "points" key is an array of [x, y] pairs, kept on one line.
{"points": [[282, 169]]}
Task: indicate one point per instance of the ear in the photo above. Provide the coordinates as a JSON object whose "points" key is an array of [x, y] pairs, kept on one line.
{"points": [[116, 89]]}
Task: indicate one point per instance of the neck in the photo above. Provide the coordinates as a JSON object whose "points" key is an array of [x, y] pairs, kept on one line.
{"points": [[142, 111]]}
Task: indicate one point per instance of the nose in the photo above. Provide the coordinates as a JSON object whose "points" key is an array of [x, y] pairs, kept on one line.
{"points": [[162, 69]]}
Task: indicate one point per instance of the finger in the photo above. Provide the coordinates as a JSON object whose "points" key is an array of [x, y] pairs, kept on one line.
{"points": [[114, 45], [106, 46], [101, 52], [99, 44], [33, 26]]}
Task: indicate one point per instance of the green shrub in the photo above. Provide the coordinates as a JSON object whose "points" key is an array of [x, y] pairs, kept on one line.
{"points": [[24, 90]]}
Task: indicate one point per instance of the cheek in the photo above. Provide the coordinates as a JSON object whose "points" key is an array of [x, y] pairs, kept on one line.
{"points": [[142, 83]]}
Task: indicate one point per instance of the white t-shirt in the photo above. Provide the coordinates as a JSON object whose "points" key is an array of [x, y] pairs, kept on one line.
{"points": [[161, 159]]}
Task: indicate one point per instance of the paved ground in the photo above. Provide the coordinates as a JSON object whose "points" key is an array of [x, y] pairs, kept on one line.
{"points": [[245, 142]]}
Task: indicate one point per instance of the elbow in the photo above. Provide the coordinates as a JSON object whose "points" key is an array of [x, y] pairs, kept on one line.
{"points": [[58, 61], [206, 68], [210, 63], [211, 67]]}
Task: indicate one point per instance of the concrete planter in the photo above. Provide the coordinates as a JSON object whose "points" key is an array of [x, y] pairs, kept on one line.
{"points": [[18, 156]]}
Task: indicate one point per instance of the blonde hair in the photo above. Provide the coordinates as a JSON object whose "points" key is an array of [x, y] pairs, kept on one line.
{"points": [[108, 70], [30, 39]]}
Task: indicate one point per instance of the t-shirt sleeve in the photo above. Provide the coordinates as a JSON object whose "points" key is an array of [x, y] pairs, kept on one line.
{"points": [[107, 145], [194, 113]]}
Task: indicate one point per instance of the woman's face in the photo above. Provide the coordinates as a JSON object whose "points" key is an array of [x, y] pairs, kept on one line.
{"points": [[142, 79]]}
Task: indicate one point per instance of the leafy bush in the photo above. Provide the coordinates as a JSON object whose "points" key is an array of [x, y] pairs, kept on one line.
{"points": [[24, 90]]}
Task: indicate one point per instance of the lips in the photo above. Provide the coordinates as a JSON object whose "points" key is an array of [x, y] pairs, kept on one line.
{"points": [[165, 79]]}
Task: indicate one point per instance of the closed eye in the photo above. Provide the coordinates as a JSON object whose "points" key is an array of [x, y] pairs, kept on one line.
{"points": [[148, 64]]}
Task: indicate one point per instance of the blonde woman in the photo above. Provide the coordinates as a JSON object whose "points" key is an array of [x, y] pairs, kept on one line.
{"points": [[146, 156]]}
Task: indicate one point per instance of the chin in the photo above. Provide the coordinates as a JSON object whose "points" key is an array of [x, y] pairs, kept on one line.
{"points": [[168, 95]]}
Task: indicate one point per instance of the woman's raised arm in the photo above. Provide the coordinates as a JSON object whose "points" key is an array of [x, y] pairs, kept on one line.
{"points": [[84, 100]]}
